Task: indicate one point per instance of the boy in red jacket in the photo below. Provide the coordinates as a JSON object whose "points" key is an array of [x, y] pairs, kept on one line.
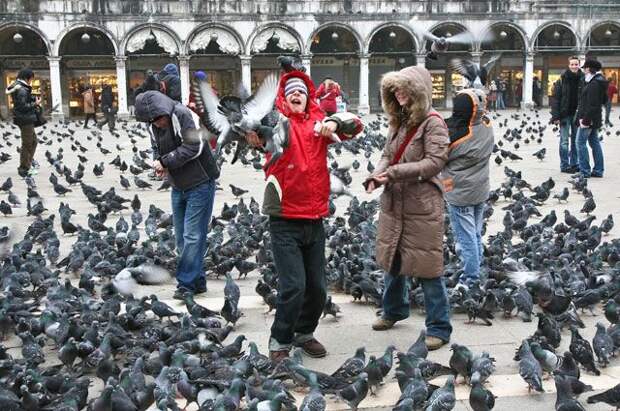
{"points": [[296, 201]]}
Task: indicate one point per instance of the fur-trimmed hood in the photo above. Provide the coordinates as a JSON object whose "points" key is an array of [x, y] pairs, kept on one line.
{"points": [[417, 82], [17, 84]]}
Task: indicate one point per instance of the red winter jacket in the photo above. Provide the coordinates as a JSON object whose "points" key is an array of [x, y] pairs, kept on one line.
{"points": [[298, 181], [327, 98]]}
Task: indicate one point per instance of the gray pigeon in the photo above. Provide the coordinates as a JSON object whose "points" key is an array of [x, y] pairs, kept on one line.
{"points": [[529, 368], [442, 399]]}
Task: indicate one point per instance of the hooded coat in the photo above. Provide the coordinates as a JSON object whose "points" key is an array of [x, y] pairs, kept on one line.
{"points": [[189, 160], [412, 206], [169, 76], [24, 103], [566, 91], [466, 175], [298, 181]]}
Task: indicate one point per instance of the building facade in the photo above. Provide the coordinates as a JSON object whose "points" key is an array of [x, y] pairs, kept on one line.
{"points": [[72, 43]]}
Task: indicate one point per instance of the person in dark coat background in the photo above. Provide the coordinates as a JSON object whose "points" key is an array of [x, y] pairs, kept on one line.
{"points": [[24, 116], [107, 107], [169, 76], [590, 117], [563, 109]]}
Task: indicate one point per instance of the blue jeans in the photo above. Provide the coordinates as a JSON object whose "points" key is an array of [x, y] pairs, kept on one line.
{"points": [[590, 135], [466, 223], [396, 301], [191, 213], [500, 100], [568, 156], [607, 111]]}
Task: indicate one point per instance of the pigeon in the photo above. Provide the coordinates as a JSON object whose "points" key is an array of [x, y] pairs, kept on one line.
{"points": [[481, 399], [237, 192], [230, 118], [475, 75], [582, 351], [609, 397], [442, 399], [351, 366], [529, 368], [461, 361], [603, 345], [588, 206], [564, 398], [356, 391]]}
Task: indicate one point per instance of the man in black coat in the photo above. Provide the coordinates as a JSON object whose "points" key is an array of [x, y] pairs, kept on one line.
{"points": [[590, 117], [107, 107], [25, 117], [563, 109]]}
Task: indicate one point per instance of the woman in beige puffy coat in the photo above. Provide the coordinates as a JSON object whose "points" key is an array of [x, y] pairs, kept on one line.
{"points": [[410, 232]]}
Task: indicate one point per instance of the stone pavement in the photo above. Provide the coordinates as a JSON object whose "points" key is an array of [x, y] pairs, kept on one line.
{"points": [[352, 329]]}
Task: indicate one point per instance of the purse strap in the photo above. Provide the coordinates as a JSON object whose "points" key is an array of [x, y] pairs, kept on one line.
{"points": [[403, 146]]}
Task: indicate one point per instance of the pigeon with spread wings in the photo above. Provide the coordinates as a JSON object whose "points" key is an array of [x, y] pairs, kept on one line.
{"points": [[475, 75], [441, 44], [231, 117]]}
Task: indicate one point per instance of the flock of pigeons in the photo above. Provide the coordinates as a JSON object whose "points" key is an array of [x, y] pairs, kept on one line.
{"points": [[76, 318]]}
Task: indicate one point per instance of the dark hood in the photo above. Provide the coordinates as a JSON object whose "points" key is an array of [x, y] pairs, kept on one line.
{"points": [[468, 107], [152, 104]]}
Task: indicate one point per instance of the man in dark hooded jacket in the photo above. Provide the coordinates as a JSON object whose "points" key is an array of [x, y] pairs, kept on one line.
{"points": [[466, 177], [185, 158], [171, 82], [590, 117], [107, 107], [563, 109], [24, 116]]}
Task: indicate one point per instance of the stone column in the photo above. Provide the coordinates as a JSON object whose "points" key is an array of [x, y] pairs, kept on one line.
{"points": [[246, 72], [363, 106], [57, 109], [184, 71], [420, 59], [306, 61], [528, 80], [121, 85]]}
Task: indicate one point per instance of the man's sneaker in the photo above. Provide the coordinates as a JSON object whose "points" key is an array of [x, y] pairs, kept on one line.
{"points": [[382, 324], [434, 343], [313, 348], [277, 356], [180, 293]]}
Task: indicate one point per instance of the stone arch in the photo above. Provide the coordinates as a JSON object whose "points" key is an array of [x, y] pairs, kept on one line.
{"points": [[566, 25], [260, 35], [380, 27], [68, 30], [518, 29], [342, 26], [35, 30], [171, 41], [205, 28], [587, 38]]}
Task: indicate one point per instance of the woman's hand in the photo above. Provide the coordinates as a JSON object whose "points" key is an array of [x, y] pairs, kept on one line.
{"points": [[377, 181], [160, 171], [328, 128]]}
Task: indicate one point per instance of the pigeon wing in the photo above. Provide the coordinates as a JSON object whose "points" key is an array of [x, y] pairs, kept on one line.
{"points": [[484, 71], [214, 120], [261, 103], [466, 68]]}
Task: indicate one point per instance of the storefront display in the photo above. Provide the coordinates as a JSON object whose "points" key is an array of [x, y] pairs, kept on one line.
{"points": [[223, 72], [439, 88], [80, 79]]}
